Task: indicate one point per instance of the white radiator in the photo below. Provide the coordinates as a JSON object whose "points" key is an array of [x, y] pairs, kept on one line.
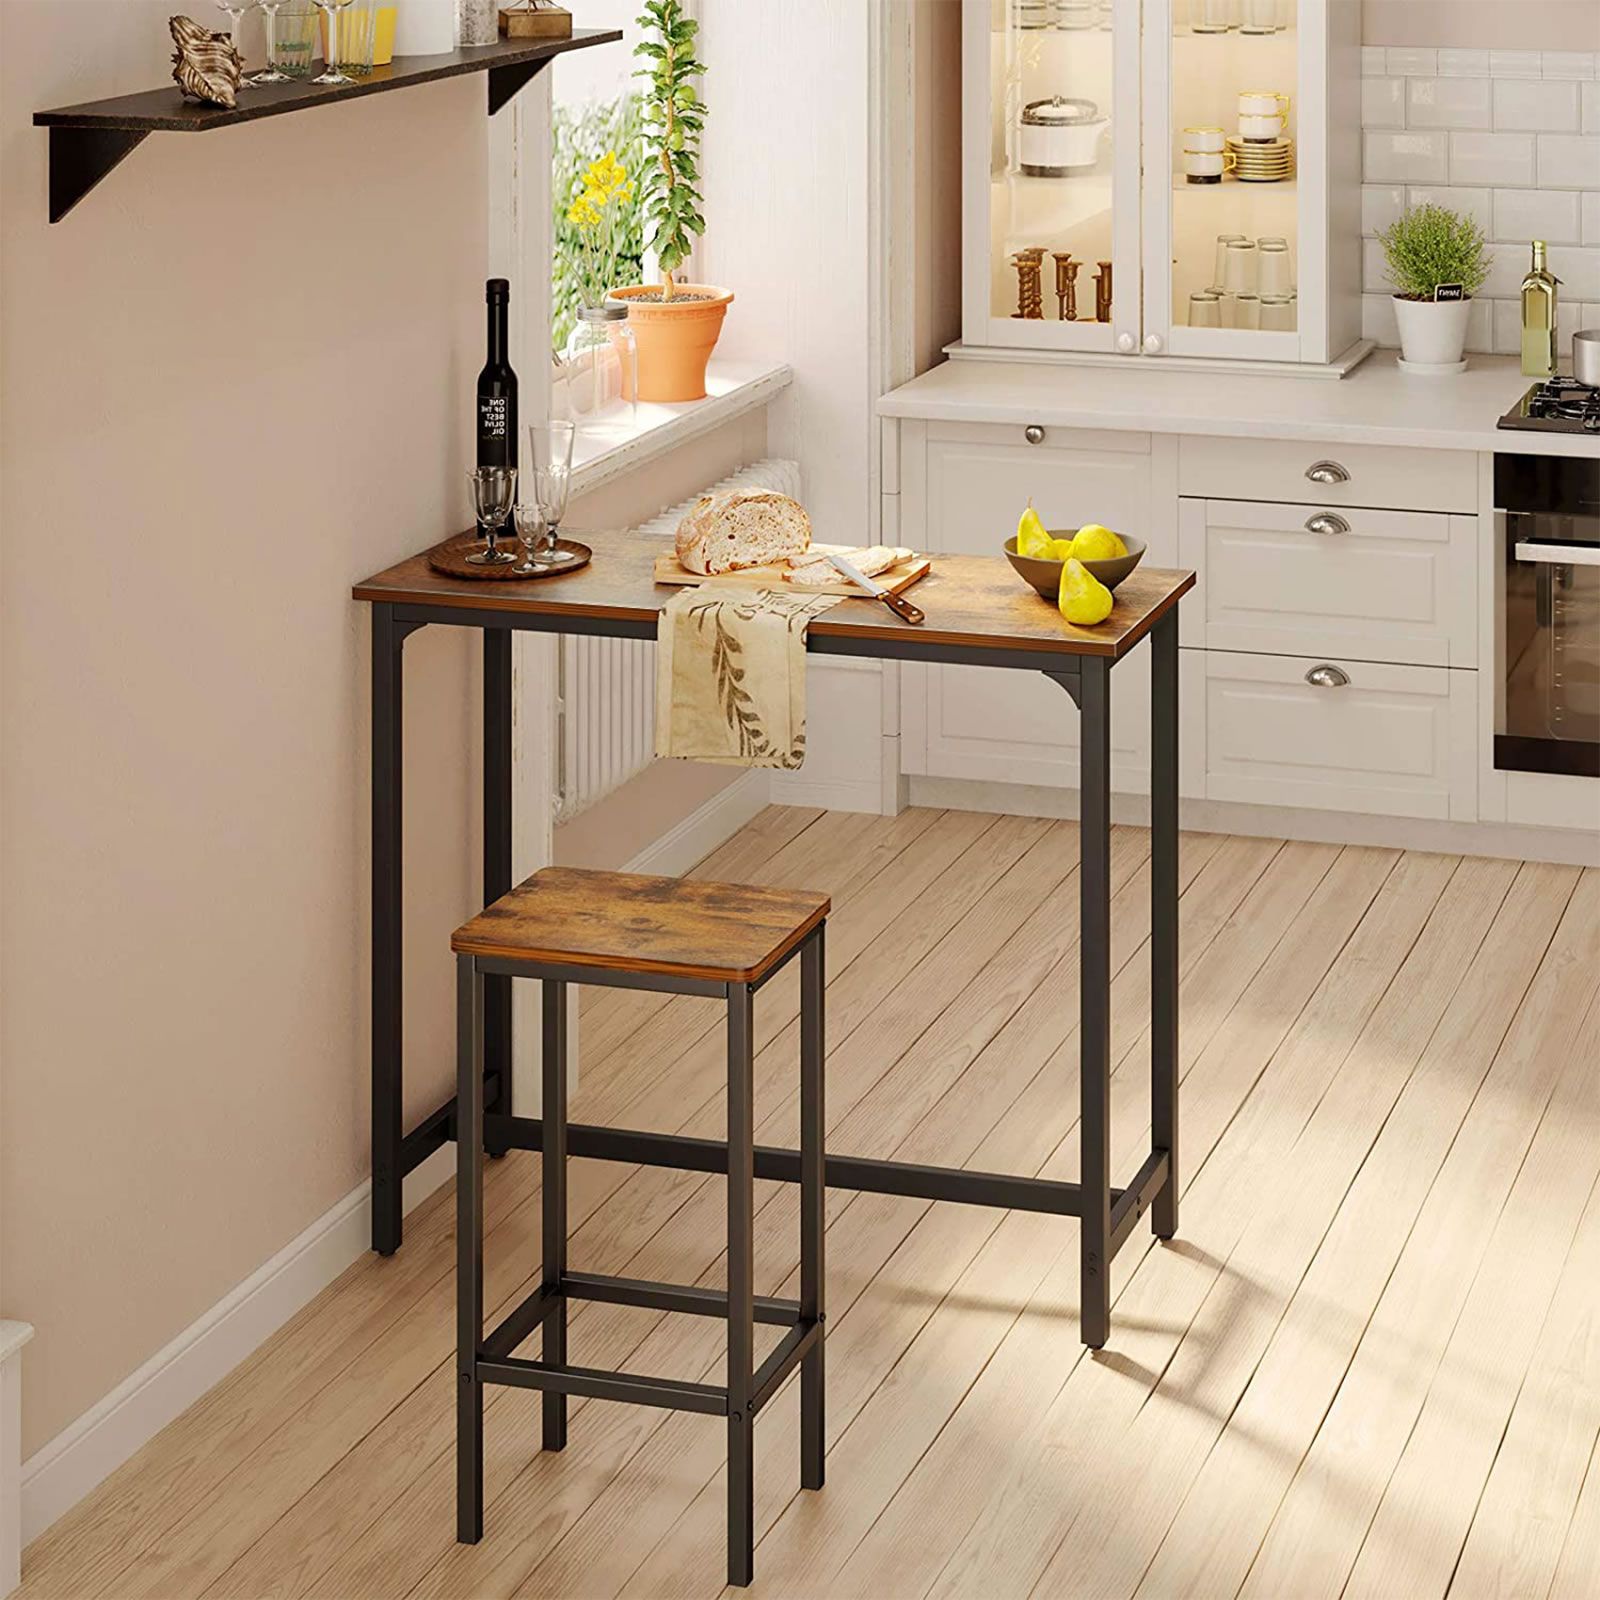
{"points": [[608, 686]]}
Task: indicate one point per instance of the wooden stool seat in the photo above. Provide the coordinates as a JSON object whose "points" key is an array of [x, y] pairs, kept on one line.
{"points": [[630, 922]]}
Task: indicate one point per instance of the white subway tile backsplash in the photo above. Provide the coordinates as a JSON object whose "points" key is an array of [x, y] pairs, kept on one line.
{"points": [[1591, 216], [1589, 106], [1407, 157], [1548, 214], [1383, 103], [1378, 320], [1463, 63], [1506, 271], [1374, 62], [1569, 161], [1409, 63], [1491, 159], [1578, 268], [1568, 63], [1381, 205], [1374, 274], [1535, 107], [1480, 325], [1515, 64], [1475, 203], [1459, 103], [1507, 328]]}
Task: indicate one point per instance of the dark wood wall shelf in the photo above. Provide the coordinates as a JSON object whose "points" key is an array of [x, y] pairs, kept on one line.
{"points": [[87, 141]]}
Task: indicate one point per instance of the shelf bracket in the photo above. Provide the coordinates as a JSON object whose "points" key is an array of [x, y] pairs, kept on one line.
{"points": [[81, 157], [504, 82]]}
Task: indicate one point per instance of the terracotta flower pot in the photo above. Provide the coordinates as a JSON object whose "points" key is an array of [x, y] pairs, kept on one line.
{"points": [[676, 336]]}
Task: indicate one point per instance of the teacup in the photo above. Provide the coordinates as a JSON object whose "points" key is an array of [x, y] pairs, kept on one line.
{"points": [[1206, 166], [1207, 140], [1261, 128], [1263, 103]]}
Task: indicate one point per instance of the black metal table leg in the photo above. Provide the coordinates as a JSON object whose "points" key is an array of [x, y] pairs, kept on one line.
{"points": [[553, 1200], [497, 855], [741, 1284], [1164, 915], [1094, 999], [813, 1198], [469, 1250], [387, 1131]]}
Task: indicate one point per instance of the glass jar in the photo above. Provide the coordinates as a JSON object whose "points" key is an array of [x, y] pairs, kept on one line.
{"points": [[602, 371]]}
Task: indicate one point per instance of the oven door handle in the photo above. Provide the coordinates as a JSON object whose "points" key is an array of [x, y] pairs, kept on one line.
{"points": [[1558, 555]]}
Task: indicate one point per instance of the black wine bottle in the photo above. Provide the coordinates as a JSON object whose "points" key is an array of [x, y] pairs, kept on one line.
{"points": [[497, 388]]}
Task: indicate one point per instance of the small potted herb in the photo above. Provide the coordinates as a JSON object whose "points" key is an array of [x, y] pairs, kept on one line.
{"points": [[1437, 261], [676, 324]]}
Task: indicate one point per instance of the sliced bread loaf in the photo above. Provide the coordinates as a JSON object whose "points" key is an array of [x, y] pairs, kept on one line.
{"points": [[741, 528]]}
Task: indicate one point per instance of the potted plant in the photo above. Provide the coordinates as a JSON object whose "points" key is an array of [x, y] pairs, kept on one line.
{"points": [[1437, 261], [676, 324]]}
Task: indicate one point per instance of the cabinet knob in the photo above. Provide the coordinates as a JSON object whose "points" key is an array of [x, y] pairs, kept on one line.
{"points": [[1327, 677], [1033, 433], [1152, 344], [1126, 343], [1327, 472], [1327, 522]]}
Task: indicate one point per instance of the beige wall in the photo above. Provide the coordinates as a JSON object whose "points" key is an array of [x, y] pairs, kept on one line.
{"points": [[233, 381], [1483, 24]]}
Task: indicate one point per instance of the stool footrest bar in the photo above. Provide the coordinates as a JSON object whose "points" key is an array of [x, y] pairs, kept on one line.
{"points": [[518, 1324], [672, 1297], [1132, 1203], [788, 1355], [598, 1385]]}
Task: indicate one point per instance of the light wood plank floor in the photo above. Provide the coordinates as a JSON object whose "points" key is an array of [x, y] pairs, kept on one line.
{"points": [[1369, 1365]]}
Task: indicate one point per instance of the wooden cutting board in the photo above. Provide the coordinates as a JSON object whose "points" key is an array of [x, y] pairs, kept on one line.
{"points": [[895, 579]]}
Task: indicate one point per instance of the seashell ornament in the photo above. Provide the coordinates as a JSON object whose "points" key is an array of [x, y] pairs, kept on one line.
{"points": [[205, 66]]}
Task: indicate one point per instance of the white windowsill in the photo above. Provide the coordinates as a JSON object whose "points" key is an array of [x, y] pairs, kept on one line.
{"points": [[732, 388]]}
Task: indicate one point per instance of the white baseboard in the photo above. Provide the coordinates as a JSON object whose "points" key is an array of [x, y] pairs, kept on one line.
{"points": [[712, 824], [1564, 846], [62, 1472]]}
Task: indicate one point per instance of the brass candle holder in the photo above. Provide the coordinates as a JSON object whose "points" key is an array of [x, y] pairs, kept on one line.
{"points": [[1102, 293], [1029, 266], [1066, 285]]}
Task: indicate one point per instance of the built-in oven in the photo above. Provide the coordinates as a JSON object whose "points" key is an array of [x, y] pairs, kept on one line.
{"points": [[1547, 517]]}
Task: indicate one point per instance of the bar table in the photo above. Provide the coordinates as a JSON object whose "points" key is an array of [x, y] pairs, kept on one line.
{"points": [[979, 613]]}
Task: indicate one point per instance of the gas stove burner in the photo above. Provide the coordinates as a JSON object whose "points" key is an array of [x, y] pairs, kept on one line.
{"points": [[1560, 405]]}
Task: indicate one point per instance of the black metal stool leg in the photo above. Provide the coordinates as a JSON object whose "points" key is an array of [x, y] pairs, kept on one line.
{"points": [[553, 1114], [469, 1250], [741, 1285], [1164, 915], [813, 1037], [1094, 998]]}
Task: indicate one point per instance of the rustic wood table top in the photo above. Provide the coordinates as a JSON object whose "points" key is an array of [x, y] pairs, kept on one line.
{"points": [[973, 603]]}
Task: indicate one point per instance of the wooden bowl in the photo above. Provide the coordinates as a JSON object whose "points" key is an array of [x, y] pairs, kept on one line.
{"points": [[1045, 575]]}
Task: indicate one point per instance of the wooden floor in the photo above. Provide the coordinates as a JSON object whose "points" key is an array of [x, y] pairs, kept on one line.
{"points": [[1369, 1365]]}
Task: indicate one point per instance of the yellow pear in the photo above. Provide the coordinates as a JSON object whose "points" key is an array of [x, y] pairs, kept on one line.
{"points": [[1057, 550], [1092, 542], [1084, 599], [1031, 536]]}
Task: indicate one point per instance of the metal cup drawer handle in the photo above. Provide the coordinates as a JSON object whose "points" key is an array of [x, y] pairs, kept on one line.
{"points": [[1327, 522], [1327, 472], [1327, 676]]}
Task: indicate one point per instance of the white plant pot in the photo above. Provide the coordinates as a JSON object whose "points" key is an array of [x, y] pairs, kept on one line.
{"points": [[1433, 333]]}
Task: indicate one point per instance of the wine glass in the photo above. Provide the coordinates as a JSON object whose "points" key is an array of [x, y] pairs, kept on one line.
{"points": [[493, 490], [330, 55], [235, 10], [530, 525], [269, 16], [550, 452]]}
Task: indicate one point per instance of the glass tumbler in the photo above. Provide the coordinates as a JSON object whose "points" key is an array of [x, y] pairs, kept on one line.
{"points": [[358, 37], [295, 40]]}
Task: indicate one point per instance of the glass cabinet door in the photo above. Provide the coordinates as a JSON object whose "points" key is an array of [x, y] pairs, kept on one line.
{"points": [[1051, 142], [1232, 247]]}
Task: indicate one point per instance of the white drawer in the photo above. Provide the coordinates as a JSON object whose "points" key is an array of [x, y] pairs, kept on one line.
{"points": [[1372, 474], [1393, 741], [1395, 586]]}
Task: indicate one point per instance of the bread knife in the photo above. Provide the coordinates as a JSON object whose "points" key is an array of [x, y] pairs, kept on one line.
{"points": [[897, 603]]}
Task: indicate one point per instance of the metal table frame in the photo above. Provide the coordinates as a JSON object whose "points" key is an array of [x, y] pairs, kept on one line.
{"points": [[1108, 1215]]}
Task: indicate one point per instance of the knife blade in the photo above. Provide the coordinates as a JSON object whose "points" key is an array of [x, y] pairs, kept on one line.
{"points": [[897, 603]]}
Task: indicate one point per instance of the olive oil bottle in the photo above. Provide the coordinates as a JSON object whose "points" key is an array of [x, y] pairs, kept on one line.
{"points": [[1539, 291]]}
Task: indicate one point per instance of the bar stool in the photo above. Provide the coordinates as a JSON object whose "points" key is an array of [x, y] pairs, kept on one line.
{"points": [[678, 936]]}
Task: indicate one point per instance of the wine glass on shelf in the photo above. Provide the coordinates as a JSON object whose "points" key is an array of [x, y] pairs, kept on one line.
{"points": [[330, 73], [493, 490], [528, 519], [235, 10], [550, 455], [269, 17]]}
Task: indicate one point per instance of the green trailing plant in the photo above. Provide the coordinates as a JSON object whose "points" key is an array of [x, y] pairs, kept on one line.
{"points": [[1431, 245], [674, 119], [576, 134]]}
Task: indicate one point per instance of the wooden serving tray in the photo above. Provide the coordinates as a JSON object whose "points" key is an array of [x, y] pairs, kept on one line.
{"points": [[895, 579]]}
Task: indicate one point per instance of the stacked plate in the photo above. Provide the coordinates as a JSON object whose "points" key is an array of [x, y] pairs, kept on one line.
{"points": [[1264, 161]]}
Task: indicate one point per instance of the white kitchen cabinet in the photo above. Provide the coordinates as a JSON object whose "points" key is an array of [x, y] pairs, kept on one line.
{"points": [[1340, 735], [1075, 120], [1398, 586]]}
